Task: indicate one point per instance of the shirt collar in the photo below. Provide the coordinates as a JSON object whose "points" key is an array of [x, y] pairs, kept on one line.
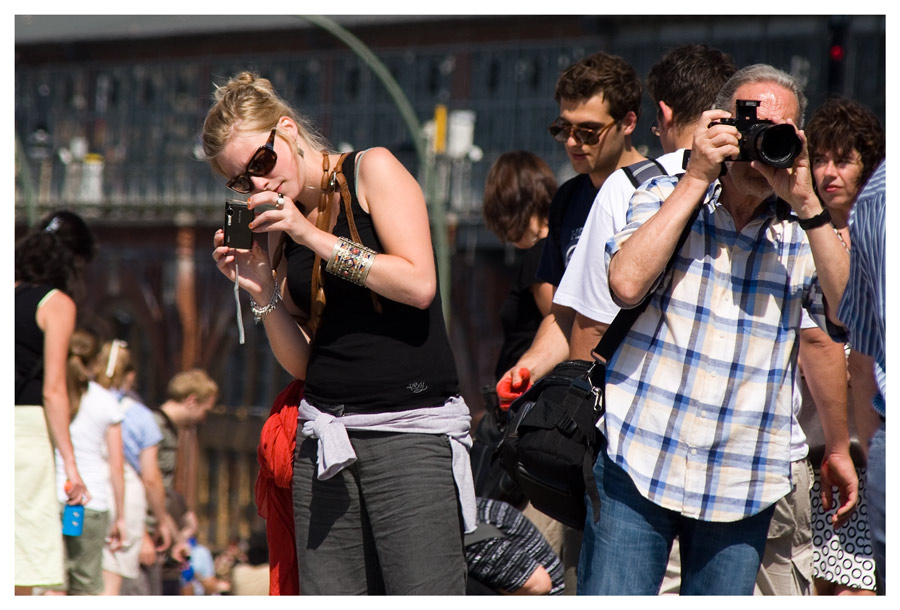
{"points": [[774, 206]]}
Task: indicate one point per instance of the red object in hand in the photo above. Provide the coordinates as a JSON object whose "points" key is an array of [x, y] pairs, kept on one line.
{"points": [[67, 487], [507, 392]]}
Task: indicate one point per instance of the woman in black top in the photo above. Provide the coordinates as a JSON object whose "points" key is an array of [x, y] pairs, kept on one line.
{"points": [[48, 269], [380, 513]]}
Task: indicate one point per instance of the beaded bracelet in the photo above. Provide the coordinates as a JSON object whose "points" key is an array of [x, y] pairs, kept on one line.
{"points": [[261, 312], [350, 261]]}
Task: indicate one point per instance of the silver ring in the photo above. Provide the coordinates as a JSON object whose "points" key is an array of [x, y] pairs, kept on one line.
{"points": [[280, 202]]}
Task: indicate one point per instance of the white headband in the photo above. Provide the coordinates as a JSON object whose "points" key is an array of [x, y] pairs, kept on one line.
{"points": [[113, 356]]}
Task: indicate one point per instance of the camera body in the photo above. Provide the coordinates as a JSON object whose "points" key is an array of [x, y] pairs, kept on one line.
{"points": [[237, 224], [761, 139]]}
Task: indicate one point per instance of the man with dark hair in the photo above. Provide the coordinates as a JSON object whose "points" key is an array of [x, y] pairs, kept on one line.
{"points": [[698, 397], [599, 104], [683, 84]]}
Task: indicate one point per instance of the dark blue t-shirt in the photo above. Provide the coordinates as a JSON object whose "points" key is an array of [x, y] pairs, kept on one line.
{"points": [[568, 213]]}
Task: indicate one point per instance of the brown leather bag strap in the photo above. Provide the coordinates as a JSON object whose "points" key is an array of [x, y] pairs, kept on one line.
{"points": [[348, 210], [345, 197], [323, 221]]}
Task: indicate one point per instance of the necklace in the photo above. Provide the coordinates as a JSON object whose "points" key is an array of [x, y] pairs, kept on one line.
{"points": [[841, 237]]}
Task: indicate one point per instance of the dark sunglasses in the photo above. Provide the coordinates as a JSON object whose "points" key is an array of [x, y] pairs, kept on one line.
{"points": [[561, 130], [261, 163]]}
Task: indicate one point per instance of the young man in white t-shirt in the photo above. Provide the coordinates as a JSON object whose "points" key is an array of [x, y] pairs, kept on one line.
{"points": [[683, 84]]}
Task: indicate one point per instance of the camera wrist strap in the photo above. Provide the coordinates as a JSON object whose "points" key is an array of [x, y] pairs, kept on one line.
{"points": [[237, 304]]}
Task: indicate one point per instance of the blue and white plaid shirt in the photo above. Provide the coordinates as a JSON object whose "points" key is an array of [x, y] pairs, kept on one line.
{"points": [[698, 396]]}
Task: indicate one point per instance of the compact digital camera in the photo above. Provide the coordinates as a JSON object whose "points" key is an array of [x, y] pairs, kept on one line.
{"points": [[237, 221], [761, 139]]}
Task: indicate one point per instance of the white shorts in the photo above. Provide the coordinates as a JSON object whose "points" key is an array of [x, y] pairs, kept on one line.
{"points": [[126, 561]]}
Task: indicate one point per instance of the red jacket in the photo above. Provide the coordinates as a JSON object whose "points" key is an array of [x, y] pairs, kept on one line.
{"points": [[273, 489]]}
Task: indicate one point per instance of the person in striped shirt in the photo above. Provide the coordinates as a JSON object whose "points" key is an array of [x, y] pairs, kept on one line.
{"points": [[698, 396], [862, 311]]}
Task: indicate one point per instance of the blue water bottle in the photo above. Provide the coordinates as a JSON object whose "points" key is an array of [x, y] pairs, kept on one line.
{"points": [[73, 520], [73, 516]]}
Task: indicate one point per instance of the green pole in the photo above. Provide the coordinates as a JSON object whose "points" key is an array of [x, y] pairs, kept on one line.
{"points": [[26, 182], [426, 160]]}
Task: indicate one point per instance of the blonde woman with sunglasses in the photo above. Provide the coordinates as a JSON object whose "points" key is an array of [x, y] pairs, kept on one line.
{"points": [[382, 488]]}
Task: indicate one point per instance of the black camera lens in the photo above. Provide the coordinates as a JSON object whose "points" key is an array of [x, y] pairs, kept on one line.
{"points": [[776, 145]]}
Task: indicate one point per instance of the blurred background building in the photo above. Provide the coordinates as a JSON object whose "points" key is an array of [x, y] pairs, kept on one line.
{"points": [[108, 111]]}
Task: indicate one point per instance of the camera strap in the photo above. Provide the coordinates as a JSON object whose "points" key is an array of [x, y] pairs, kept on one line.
{"points": [[237, 303]]}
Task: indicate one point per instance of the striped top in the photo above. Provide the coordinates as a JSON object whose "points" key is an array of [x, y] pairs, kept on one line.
{"points": [[862, 309], [698, 397], [505, 564]]}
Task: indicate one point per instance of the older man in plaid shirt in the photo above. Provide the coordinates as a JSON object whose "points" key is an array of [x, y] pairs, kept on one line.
{"points": [[698, 397]]}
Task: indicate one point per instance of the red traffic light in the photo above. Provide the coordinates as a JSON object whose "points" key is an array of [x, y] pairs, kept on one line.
{"points": [[836, 53]]}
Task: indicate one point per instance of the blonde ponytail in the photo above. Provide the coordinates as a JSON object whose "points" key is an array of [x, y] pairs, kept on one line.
{"points": [[83, 347]]}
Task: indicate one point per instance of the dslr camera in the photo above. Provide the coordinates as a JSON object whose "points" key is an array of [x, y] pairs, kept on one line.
{"points": [[761, 139]]}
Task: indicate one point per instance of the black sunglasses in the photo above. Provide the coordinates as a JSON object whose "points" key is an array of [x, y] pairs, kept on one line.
{"points": [[561, 130], [261, 163]]}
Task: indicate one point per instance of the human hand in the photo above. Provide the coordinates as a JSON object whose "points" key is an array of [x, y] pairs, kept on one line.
{"points": [[180, 551], [838, 471], [793, 184], [166, 532], [148, 555], [286, 216], [75, 489], [713, 144], [116, 535], [222, 586], [253, 267], [512, 385]]}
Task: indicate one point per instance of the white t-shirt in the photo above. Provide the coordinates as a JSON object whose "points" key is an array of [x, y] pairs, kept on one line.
{"points": [[585, 284], [98, 411]]}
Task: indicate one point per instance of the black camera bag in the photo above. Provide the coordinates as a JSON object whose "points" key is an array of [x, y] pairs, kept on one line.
{"points": [[551, 440]]}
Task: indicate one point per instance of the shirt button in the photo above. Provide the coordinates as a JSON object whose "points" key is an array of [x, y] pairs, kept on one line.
{"points": [[693, 451], [702, 413]]}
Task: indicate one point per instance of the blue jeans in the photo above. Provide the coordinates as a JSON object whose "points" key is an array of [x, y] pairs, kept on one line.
{"points": [[626, 551], [875, 482]]}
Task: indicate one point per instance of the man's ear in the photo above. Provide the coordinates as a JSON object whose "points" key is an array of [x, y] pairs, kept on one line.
{"points": [[665, 114], [629, 123], [190, 403]]}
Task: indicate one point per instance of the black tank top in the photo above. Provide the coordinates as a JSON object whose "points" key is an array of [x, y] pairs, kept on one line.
{"points": [[29, 345], [369, 361]]}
